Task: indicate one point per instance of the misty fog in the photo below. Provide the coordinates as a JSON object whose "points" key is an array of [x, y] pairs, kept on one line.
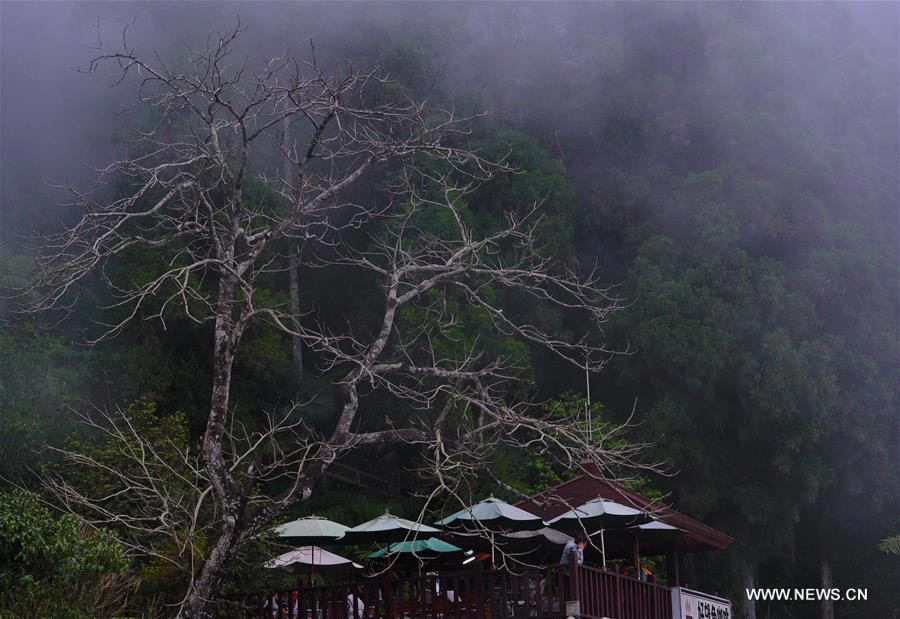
{"points": [[537, 63]]}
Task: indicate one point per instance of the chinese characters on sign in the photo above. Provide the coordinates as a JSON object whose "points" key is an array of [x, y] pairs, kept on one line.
{"points": [[688, 604]]}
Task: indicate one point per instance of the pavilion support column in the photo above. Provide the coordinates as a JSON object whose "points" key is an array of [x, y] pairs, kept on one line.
{"points": [[387, 591], [673, 574], [636, 556], [479, 584]]}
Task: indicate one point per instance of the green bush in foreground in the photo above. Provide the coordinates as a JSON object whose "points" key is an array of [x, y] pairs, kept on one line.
{"points": [[54, 566]]}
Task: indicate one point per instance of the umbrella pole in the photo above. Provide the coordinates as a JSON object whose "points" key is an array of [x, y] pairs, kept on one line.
{"points": [[492, 549], [603, 547], [637, 554]]}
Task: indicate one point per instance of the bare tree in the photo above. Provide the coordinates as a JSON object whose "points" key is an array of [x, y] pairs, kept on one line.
{"points": [[187, 193]]}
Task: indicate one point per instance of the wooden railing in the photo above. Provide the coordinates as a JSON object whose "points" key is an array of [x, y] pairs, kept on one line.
{"points": [[605, 593], [472, 594]]}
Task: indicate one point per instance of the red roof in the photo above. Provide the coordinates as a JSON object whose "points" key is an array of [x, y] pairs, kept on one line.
{"points": [[587, 486]]}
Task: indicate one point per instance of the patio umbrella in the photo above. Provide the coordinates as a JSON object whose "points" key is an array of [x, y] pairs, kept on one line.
{"points": [[653, 533], [656, 527], [546, 540], [424, 548], [385, 529], [495, 516], [421, 549], [599, 515], [309, 555], [311, 530]]}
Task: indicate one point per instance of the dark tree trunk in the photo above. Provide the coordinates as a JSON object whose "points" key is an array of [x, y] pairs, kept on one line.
{"points": [[748, 578], [293, 268], [827, 583], [205, 589], [293, 259]]}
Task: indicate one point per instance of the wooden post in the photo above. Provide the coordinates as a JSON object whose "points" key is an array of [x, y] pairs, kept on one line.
{"points": [[422, 586], [387, 591], [300, 612], [636, 550], [574, 577], [561, 590], [618, 593], [332, 606], [478, 585], [677, 569], [672, 576]]}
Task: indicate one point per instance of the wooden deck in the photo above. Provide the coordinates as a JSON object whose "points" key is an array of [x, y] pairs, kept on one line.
{"points": [[549, 593]]}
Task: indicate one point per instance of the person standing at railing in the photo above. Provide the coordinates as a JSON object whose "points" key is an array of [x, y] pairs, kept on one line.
{"points": [[575, 546], [574, 550]]}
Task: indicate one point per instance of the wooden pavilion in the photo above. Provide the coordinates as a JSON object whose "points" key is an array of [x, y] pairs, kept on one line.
{"points": [[694, 535], [476, 591]]}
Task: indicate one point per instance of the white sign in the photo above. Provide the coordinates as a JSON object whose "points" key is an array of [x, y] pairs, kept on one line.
{"points": [[689, 604]]}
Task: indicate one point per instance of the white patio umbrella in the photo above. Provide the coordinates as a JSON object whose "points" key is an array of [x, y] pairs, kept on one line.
{"points": [[310, 531], [599, 515], [386, 529], [657, 525], [309, 555]]}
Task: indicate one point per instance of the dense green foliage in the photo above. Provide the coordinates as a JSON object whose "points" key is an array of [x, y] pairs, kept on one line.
{"points": [[748, 211], [53, 566], [162, 573]]}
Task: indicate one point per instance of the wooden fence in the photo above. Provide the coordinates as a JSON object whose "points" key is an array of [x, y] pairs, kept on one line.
{"points": [[603, 593], [548, 593]]}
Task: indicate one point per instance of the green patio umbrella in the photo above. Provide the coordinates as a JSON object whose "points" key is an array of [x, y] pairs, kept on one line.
{"points": [[426, 548], [494, 515]]}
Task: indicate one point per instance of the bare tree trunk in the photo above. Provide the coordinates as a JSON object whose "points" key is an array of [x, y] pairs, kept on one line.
{"points": [[294, 293], [827, 583], [749, 582], [293, 268], [205, 589], [225, 342]]}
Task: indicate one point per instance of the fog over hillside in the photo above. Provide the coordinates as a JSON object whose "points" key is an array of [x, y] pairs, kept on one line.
{"points": [[544, 64]]}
